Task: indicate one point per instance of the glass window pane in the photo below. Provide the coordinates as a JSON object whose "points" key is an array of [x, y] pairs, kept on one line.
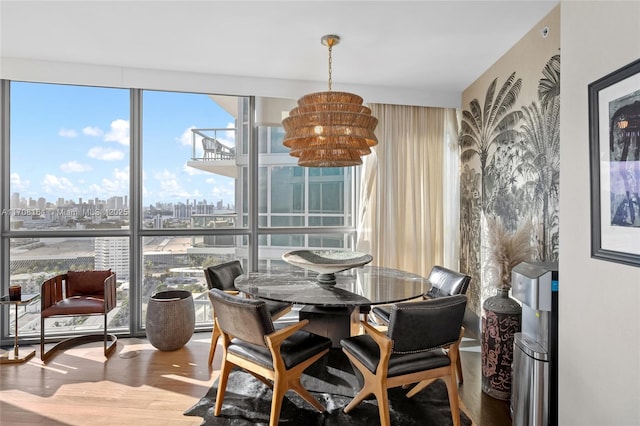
{"points": [[69, 157], [177, 263], [280, 244], [189, 161], [279, 221], [34, 260], [276, 138], [287, 190], [318, 191]]}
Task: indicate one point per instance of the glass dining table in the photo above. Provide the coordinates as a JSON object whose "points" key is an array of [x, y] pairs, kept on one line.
{"points": [[333, 310]]}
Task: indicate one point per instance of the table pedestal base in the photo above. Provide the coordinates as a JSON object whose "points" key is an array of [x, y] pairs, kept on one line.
{"points": [[334, 323], [13, 357]]}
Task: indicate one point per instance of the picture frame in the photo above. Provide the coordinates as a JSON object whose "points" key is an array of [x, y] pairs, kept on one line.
{"points": [[614, 150]]}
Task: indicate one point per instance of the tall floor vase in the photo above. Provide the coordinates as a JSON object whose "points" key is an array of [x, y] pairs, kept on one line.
{"points": [[170, 319], [501, 320]]}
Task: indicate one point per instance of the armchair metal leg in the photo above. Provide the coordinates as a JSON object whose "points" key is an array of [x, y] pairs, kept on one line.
{"points": [[80, 340], [110, 342]]}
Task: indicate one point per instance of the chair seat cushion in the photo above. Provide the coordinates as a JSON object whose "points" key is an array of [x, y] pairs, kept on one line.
{"points": [[275, 308], [383, 313], [76, 305], [297, 348], [365, 349]]}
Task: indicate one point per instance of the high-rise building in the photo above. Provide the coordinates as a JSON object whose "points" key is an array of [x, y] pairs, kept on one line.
{"points": [[113, 253]]}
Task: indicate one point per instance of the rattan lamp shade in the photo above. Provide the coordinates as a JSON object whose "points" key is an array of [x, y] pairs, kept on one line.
{"points": [[330, 129]]}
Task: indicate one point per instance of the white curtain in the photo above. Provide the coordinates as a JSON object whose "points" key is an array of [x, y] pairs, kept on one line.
{"points": [[402, 199]]}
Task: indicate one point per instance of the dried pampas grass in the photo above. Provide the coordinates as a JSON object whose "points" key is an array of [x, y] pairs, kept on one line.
{"points": [[507, 249]]}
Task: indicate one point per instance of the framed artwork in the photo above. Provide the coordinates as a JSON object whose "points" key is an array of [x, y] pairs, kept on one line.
{"points": [[614, 142]]}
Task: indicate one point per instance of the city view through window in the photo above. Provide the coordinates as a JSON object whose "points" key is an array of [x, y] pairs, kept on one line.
{"points": [[83, 196]]}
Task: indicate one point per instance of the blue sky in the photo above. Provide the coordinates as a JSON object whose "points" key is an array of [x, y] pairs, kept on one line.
{"points": [[73, 141]]}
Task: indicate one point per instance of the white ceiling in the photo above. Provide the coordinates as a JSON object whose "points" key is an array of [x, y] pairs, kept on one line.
{"points": [[429, 46]]}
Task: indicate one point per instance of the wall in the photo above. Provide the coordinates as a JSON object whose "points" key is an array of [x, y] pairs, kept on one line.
{"points": [[599, 370], [510, 159]]}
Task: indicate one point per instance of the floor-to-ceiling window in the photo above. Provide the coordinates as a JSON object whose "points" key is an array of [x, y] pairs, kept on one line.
{"points": [[154, 185]]}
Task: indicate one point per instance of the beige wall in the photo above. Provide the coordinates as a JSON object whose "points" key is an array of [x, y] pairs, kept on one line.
{"points": [[526, 59], [599, 325], [599, 301], [599, 348]]}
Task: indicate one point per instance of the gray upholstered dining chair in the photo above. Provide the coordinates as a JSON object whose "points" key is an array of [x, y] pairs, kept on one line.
{"points": [[275, 357], [222, 277], [420, 346], [444, 282]]}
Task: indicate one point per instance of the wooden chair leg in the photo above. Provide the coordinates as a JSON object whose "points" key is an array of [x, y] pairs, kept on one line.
{"points": [[452, 389], [279, 389], [417, 388], [360, 396], [222, 385], [215, 335], [297, 387], [383, 406], [459, 368]]}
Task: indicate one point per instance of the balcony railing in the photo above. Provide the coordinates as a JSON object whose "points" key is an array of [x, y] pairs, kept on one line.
{"points": [[212, 147]]}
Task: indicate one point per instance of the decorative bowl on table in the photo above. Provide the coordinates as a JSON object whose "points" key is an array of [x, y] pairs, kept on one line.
{"points": [[326, 262]]}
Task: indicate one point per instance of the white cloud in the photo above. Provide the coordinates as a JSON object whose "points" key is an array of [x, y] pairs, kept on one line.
{"points": [[119, 132], [75, 167], [67, 133], [58, 185], [226, 192], [171, 187], [17, 184], [117, 184], [185, 138], [92, 131], [105, 154]]}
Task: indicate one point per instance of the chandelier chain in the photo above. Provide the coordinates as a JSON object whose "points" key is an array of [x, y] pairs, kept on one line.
{"points": [[330, 64]]}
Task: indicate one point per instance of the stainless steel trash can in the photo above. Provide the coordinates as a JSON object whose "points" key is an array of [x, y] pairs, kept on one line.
{"points": [[530, 391]]}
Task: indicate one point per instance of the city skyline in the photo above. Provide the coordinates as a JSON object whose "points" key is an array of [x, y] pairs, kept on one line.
{"points": [[43, 203], [72, 142]]}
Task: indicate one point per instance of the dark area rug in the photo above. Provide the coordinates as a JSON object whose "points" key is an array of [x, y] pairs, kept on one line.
{"points": [[332, 381]]}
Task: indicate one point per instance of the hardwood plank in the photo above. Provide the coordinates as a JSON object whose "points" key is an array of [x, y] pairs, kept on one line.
{"points": [[81, 387]]}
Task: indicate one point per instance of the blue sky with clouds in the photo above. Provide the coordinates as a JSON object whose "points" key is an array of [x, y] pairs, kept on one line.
{"points": [[73, 142]]}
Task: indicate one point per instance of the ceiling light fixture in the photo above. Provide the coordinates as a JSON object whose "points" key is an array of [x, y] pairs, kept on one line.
{"points": [[330, 129]]}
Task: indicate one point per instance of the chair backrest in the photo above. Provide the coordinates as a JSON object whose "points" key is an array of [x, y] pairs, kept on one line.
{"points": [[81, 283], [445, 282], [208, 144], [243, 318], [222, 276], [426, 325]]}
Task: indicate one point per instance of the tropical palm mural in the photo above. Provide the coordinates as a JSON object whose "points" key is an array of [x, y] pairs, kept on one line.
{"points": [[510, 170], [483, 130]]}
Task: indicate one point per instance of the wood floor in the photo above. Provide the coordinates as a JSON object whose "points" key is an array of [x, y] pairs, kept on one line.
{"points": [[143, 386]]}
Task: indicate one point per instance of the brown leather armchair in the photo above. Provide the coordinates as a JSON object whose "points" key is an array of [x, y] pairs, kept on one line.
{"points": [[78, 293]]}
